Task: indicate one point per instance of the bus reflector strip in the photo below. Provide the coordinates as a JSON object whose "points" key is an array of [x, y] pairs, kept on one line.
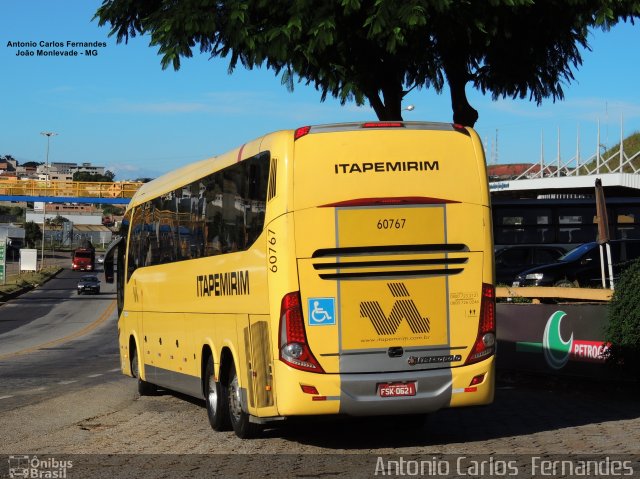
{"points": [[308, 389], [464, 390], [405, 200]]}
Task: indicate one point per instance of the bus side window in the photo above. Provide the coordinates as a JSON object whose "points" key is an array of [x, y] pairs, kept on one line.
{"points": [[257, 196], [136, 226]]}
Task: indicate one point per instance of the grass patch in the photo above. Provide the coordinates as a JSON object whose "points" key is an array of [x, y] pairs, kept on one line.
{"points": [[29, 279]]}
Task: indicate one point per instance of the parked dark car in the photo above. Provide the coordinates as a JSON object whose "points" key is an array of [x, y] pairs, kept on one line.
{"points": [[581, 266], [511, 260], [89, 283]]}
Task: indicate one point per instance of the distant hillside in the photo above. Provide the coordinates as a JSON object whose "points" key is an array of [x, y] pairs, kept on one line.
{"points": [[630, 146]]}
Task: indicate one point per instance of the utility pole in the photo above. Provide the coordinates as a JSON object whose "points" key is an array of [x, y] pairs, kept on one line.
{"points": [[48, 134]]}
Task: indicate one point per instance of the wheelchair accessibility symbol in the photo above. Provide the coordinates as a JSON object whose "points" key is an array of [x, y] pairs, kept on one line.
{"points": [[322, 311]]}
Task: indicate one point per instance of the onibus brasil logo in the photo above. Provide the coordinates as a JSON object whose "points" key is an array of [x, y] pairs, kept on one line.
{"points": [[558, 350]]}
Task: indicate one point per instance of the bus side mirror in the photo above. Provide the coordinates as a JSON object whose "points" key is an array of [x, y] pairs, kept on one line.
{"points": [[108, 269], [108, 260]]}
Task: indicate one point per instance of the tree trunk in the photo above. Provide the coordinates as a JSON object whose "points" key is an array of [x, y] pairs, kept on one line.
{"points": [[463, 112], [389, 109]]}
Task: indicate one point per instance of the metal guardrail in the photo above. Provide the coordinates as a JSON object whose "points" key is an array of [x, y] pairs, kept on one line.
{"points": [[121, 189], [539, 292]]}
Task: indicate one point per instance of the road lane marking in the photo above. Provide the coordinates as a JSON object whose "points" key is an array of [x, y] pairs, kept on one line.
{"points": [[94, 375], [114, 370], [5, 397], [64, 383], [87, 329]]}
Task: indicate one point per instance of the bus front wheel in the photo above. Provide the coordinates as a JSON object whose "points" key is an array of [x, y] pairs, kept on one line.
{"points": [[243, 428], [217, 400], [144, 388]]}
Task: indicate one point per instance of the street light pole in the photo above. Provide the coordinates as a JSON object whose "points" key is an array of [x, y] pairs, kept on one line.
{"points": [[48, 134], [44, 217]]}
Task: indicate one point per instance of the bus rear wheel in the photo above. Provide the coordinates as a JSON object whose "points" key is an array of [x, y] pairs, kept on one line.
{"points": [[217, 400], [144, 388], [243, 428]]}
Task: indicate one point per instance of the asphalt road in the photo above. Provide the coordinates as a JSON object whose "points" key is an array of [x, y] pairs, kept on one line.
{"points": [[53, 341]]}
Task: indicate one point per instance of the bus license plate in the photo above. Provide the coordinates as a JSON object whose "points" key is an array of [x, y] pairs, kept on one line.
{"points": [[396, 389]]}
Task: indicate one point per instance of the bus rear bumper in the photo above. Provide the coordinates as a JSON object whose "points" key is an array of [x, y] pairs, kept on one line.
{"points": [[357, 394], [434, 389], [360, 394]]}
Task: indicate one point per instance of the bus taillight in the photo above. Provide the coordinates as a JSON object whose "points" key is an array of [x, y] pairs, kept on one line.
{"points": [[300, 132], [485, 344], [294, 349]]}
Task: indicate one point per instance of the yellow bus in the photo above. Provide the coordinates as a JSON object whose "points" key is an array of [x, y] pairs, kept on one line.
{"points": [[333, 269]]}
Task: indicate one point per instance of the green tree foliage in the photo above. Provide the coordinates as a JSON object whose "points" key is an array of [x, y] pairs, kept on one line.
{"points": [[15, 213], [32, 164], [111, 210], [378, 50], [94, 177], [623, 330], [32, 233], [57, 221]]}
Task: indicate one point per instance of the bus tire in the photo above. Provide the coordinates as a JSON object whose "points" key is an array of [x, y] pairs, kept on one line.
{"points": [[144, 388], [216, 397], [243, 428]]}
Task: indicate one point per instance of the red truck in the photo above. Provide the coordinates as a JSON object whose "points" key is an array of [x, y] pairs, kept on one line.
{"points": [[83, 259]]}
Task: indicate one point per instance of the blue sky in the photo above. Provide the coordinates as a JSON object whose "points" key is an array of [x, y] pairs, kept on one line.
{"points": [[120, 110]]}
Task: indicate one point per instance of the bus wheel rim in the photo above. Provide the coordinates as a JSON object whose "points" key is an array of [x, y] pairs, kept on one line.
{"points": [[134, 366], [213, 394], [234, 399]]}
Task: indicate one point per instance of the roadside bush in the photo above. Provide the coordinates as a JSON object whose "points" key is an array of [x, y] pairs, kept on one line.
{"points": [[623, 330]]}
